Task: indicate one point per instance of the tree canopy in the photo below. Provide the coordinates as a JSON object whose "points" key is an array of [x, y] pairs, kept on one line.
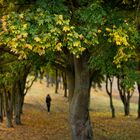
{"points": [[67, 34]]}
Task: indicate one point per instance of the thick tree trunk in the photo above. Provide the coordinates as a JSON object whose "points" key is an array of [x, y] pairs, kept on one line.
{"points": [[79, 106], [23, 73], [9, 119], [20, 98], [22, 82]]}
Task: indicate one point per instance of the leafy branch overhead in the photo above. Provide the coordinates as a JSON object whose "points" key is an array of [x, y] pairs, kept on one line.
{"points": [[40, 31], [37, 32]]}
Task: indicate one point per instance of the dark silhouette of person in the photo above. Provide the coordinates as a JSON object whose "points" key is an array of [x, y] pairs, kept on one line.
{"points": [[48, 102]]}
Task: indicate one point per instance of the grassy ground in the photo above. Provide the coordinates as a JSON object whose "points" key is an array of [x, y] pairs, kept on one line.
{"points": [[39, 125]]}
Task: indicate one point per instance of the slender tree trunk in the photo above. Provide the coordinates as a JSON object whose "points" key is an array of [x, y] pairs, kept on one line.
{"points": [[51, 81], [139, 101], [112, 107], [64, 83], [79, 106], [138, 84], [125, 98], [127, 104], [22, 103], [4, 107], [65, 90], [48, 80], [1, 108], [56, 81], [8, 108], [138, 52], [18, 104], [109, 92], [71, 84], [127, 109], [14, 102]]}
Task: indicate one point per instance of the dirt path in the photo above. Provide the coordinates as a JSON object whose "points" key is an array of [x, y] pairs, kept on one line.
{"points": [[99, 99], [39, 125], [37, 96]]}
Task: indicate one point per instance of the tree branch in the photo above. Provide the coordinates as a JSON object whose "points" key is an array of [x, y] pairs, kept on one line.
{"points": [[27, 88], [4, 49]]}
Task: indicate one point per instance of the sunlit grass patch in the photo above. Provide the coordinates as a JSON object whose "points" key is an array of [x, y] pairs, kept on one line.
{"points": [[119, 128]]}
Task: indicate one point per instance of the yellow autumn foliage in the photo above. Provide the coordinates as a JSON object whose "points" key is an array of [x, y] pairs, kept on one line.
{"points": [[58, 46], [59, 19], [29, 46], [66, 28], [21, 16], [77, 43], [99, 31], [25, 26], [120, 39], [37, 39], [108, 30], [25, 34]]}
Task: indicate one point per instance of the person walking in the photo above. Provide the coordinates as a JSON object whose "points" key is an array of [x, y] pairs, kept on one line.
{"points": [[48, 102]]}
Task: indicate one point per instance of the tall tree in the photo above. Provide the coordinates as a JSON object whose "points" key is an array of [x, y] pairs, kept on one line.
{"points": [[40, 31]]}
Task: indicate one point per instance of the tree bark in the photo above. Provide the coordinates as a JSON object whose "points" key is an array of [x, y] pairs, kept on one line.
{"points": [[18, 104], [138, 84], [1, 107], [139, 101], [64, 77], [48, 80], [112, 107], [79, 106], [109, 92], [9, 119], [71, 84], [127, 104], [56, 81], [22, 103], [21, 82], [8, 108], [125, 97]]}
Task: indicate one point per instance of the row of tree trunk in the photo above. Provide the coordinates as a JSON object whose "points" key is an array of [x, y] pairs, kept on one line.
{"points": [[60, 81], [78, 80], [125, 96], [12, 98]]}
